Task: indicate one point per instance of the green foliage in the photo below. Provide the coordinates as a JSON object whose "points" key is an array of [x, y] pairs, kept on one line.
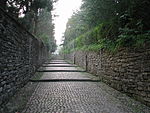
{"points": [[45, 29], [96, 39], [94, 36], [94, 47], [97, 11], [109, 24], [17, 7], [132, 38], [36, 17]]}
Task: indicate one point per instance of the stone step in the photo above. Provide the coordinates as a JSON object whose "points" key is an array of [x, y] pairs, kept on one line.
{"points": [[64, 80], [61, 71], [60, 66]]}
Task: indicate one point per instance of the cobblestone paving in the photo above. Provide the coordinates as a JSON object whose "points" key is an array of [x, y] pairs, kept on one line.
{"points": [[61, 68], [79, 97], [56, 64], [66, 75]]}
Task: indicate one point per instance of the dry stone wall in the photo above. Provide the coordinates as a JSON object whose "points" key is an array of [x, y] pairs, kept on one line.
{"points": [[20, 56], [128, 70]]}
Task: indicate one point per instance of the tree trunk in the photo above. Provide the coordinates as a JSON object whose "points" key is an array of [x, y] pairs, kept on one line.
{"points": [[35, 22]]}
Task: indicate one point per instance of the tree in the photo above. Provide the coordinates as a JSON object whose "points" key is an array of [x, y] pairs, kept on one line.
{"points": [[45, 29], [34, 15], [114, 21]]}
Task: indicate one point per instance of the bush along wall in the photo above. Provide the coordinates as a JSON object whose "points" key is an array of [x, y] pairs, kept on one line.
{"points": [[21, 54]]}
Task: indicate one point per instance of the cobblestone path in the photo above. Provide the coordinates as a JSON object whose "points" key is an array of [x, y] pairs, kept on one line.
{"points": [[78, 96]]}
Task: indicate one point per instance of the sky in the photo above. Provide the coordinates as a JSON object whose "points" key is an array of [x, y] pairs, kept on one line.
{"points": [[64, 9]]}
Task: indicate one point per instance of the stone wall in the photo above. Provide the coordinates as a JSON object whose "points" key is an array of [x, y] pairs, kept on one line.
{"points": [[127, 70], [20, 56]]}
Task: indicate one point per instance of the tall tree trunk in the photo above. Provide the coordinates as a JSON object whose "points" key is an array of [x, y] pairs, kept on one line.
{"points": [[35, 21]]}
